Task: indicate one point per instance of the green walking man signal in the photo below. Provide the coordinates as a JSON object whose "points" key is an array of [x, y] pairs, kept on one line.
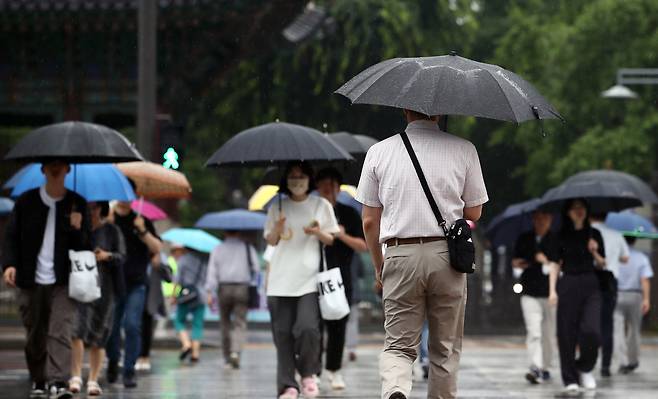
{"points": [[171, 159]]}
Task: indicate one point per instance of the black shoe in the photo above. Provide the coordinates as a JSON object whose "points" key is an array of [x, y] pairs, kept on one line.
{"points": [[184, 354], [533, 376], [545, 375], [397, 395], [605, 372], [426, 372], [627, 369], [130, 380], [39, 390], [112, 371], [59, 390]]}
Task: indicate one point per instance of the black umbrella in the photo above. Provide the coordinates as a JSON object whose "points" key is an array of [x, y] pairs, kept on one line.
{"points": [[506, 227], [629, 182], [277, 143], [449, 85], [74, 142], [355, 144], [601, 196]]}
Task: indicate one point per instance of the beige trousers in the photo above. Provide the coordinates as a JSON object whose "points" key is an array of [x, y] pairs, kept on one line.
{"points": [[419, 284], [540, 319]]}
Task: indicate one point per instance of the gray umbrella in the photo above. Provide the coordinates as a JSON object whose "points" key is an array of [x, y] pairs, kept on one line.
{"points": [[602, 196], [74, 142], [449, 85], [355, 144], [629, 182], [277, 143]]}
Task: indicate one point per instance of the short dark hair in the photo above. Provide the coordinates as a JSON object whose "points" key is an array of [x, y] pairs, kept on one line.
{"points": [[630, 240], [306, 168], [567, 223], [329, 173]]}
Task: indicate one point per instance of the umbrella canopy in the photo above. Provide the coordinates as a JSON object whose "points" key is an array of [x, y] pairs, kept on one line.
{"points": [[74, 142], [277, 143], [353, 143], [506, 227], [196, 239], [233, 220], [267, 196], [6, 205], [154, 181], [631, 224], [148, 209], [16, 177], [629, 182], [449, 85], [95, 182], [601, 196]]}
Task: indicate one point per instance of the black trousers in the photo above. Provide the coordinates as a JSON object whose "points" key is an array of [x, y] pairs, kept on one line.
{"points": [[336, 330], [608, 304], [578, 324]]}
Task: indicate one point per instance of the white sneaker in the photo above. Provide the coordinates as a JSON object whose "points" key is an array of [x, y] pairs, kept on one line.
{"points": [[336, 380], [587, 380], [572, 389]]}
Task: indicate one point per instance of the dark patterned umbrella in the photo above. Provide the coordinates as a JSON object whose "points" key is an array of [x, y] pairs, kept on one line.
{"points": [[601, 196], [449, 85], [74, 142], [629, 182]]}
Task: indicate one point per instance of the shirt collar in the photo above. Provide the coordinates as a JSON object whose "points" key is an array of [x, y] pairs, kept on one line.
{"points": [[423, 124]]}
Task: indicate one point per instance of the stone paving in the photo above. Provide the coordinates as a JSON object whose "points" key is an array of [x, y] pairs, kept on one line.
{"points": [[491, 368]]}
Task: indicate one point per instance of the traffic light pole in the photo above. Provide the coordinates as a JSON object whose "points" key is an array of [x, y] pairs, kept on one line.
{"points": [[147, 76]]}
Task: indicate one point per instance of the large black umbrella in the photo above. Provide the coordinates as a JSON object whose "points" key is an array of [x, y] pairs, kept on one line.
{"points": [[602, 196], [355, 144], [277, 143], [449, 85], [629, 182], [74, 142]]}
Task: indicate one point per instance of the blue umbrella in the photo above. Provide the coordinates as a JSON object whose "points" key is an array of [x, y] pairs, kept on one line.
{"points": [[11, 183], [235, 219], [192, 238], [6, 205], [95, 182], [630, 223]]}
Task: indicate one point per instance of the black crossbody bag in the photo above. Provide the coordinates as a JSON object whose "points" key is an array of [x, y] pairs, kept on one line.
{"points": [[458, 236], [254, 295]]}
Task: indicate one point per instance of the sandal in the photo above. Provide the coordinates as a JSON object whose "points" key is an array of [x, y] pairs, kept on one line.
{"points": [[93, 389], [184, 353], [75, 384]]}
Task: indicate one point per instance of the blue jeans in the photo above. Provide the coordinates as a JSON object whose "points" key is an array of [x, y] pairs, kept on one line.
{"points": [[127, 313]]}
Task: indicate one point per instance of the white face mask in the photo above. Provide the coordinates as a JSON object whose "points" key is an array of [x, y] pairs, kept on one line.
{"points": [[298, 186]]}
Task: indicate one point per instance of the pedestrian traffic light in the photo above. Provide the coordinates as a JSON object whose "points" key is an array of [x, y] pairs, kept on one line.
{"points": [[171, 144], [170, 159]]}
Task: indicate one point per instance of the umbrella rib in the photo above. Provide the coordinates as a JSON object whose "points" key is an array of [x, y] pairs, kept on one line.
{"points": [[500, 87]]}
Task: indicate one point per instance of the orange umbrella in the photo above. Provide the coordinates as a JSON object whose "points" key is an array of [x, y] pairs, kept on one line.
{"points": [[154, 181]]}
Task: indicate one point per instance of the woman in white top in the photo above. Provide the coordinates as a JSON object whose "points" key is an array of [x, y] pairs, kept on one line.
{"points": [[297, 228]]}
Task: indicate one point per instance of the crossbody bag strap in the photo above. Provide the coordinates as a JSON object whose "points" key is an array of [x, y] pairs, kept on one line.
{"points": [[423, 183], [249, 261]]}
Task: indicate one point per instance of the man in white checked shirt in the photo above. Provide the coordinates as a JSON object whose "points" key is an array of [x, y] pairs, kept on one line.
{"points": [[417, 280]]}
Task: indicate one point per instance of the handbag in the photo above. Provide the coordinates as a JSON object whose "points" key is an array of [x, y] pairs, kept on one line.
{"points": [[189, 293], [331, 291], [459, 236], [84, 280], [254, 295]]}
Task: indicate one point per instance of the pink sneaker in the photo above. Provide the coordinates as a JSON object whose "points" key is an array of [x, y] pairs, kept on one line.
{"points": [[310, 387], [289, 393]]}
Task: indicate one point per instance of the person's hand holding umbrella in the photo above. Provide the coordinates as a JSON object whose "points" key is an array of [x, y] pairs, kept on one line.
{"points": [[102, 255], [76, 220]]}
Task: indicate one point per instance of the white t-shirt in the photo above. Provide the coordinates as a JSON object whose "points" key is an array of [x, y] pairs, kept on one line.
{"points": [[615, 247], [295, 262], [46, 259]]}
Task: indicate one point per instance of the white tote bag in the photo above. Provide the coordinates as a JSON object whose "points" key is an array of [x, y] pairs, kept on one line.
{"points": [[331, 292], [84, 282]]}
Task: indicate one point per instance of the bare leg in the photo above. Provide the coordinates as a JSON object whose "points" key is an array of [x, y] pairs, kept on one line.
{"points": [[196, 349], [77, 352], [184, 340], [96, 357]]}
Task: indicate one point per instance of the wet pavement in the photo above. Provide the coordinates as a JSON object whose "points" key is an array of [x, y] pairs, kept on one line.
{"points": [[491, 368]]}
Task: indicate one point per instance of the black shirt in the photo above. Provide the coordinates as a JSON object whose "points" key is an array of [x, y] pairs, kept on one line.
{"points": [[573, 252], [138, 255], [339, 254], [533, 279]]}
